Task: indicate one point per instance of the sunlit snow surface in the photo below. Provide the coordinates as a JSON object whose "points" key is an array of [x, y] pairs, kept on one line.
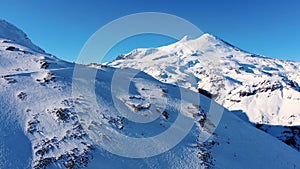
{"points": [[265, 89], [44, 124]]}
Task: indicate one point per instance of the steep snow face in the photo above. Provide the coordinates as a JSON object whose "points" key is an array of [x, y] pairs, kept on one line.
{"points": [[265, 89], [11, 34]]}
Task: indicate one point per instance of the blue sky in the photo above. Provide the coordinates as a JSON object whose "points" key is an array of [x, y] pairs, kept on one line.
{"points": [[268, 27]]}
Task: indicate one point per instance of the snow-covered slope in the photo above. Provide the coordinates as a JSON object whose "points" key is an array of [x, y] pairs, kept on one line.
{"points": [[45, 124], [259, 89], [266, 89], [11, 34]]}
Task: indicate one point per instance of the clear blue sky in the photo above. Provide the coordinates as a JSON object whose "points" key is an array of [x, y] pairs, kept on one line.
{"points": [[61, 27]]}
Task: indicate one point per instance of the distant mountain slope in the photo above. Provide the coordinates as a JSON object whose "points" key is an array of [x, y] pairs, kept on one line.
{"points": [[266, 89], [45, 124], [261, 90]]}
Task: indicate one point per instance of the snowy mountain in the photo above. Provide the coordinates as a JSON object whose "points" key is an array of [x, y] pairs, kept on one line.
{"points": [[49, 122], [261, 90], [17, 36], [266, 89]]}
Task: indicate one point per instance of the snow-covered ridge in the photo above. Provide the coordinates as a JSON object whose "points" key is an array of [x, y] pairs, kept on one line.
{"points": [[12, 34], [266, 89], [259, 89]]}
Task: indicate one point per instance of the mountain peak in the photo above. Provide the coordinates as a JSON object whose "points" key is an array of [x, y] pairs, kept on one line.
{"points": [[11, 32], [185, 38], [205, 36], [208, 35]]}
